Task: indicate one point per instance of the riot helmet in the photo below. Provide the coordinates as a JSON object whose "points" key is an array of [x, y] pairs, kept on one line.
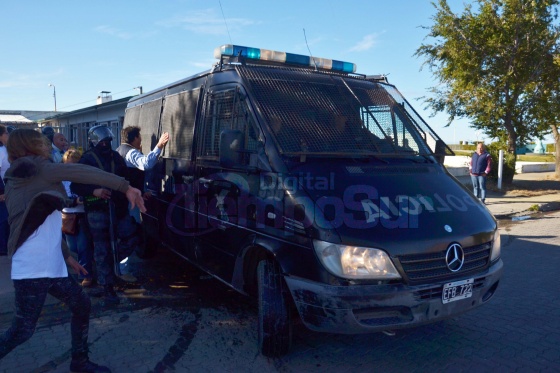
{"points": [[49, 132], [99, 133]]}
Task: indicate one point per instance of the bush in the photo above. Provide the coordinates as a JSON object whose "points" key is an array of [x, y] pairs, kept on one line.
{"points": [[468, 147], [550, 148], [509, 162]]}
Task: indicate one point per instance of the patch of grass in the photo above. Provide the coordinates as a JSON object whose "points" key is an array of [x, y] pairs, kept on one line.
{"points": [[520, 157], [536, 158]]}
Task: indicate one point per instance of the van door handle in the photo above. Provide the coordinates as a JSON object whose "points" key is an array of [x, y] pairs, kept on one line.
{"points": [[204, 180]]}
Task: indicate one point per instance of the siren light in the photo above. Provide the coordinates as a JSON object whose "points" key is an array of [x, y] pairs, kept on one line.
{"points": [[284, 58]]}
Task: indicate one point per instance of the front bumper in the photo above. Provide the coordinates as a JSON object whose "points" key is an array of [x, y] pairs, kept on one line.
{"points": [[372, 308]]}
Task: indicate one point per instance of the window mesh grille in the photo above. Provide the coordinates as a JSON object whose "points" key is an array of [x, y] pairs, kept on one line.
{"points": [[145, 116], [328, 113], [226, 110], [178, 117], [148, 121]]}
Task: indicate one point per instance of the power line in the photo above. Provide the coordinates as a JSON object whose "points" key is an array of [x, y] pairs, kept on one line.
{"points": [[223, 15], [85, 102]]}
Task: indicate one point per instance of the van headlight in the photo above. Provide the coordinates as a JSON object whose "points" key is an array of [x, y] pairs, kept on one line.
{"points": [[355, 262], [496, 246]]}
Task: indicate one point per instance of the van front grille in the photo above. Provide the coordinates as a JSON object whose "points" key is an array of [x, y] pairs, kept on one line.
{"points": [[432, 266]]}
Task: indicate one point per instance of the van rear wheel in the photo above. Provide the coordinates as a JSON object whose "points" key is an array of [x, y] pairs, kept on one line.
{"points": [[275, 329]]}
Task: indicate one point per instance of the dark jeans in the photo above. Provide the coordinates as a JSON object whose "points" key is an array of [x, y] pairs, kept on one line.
{"points": [[128, 241], [82, 245], [30, 297]]}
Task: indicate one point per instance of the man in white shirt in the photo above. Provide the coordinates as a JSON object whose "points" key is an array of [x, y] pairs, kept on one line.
{"points": [[131, 151], [137, 163], [59, 146]]}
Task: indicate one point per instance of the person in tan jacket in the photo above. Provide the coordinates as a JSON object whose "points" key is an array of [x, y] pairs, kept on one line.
{"points": [[34, 198]]}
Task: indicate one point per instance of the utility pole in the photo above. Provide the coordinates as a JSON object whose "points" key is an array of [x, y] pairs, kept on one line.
{"points": [[54, 94]]}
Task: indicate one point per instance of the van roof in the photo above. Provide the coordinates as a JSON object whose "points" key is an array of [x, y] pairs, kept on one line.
{"points": [[230, 54]]}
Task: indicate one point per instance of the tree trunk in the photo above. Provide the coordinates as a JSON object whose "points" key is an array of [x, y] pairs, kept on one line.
{"points": [[511, 148], [557, 147]]}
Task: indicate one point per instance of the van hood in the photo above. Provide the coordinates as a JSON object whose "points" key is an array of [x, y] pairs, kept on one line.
{"points": [[399, 207]]}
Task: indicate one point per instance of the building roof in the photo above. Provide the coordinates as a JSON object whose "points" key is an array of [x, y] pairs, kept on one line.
{"points": [[104, 105], [14, 118]]}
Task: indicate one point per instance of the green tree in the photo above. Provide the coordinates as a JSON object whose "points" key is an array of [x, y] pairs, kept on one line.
{"points": [[549, 106], [492, 64]]}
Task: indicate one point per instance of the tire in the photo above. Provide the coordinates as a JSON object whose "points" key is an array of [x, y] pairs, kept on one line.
{"points": [[274, 324]]}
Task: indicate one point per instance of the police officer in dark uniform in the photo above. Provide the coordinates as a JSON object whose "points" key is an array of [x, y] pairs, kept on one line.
{"points": [[48, 131], [96, 201]]}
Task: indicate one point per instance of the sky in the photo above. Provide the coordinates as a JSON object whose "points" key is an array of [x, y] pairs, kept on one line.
{"points": [[84, 47]]}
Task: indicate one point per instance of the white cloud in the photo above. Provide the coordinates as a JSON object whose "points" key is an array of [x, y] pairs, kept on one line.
{"points": [[367, 42], [203, 65], [9, 79], [104, 29], [207, 22]]}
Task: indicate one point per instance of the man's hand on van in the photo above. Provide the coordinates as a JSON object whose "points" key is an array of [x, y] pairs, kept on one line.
{"points": [[163, 140]]}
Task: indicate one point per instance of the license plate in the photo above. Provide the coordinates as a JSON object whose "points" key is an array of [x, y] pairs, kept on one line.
{"points": [[457, 290]]}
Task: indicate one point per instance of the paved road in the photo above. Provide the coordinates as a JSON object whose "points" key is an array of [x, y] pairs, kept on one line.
{"points": [[177, 319]]}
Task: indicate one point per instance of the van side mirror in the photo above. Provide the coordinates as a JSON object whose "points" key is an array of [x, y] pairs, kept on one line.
{"points": [[231, 147], [440, 151]]}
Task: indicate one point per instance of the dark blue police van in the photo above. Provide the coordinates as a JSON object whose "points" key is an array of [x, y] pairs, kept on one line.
{"points": [[317, 190]]}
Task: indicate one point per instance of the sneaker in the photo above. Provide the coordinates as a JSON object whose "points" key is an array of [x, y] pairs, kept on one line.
{"points": [[127, 277], [87, 282], [110, 296], [86, 366]]}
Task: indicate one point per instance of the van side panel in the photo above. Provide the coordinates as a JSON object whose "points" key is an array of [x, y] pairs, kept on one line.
{"points": [[174, 110]]}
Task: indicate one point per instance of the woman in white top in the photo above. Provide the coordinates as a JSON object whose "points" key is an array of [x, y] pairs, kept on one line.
{"points": [[34, 197]]}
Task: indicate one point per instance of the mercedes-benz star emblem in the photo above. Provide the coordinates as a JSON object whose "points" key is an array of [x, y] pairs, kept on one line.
{"points": [[454, 257]]}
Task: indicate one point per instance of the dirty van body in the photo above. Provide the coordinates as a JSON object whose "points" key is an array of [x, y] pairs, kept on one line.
{"points": [[317, 190]]}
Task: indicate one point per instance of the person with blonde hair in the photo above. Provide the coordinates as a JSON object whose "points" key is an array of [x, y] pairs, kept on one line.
{"points": [[34, 197], [72, 155]]}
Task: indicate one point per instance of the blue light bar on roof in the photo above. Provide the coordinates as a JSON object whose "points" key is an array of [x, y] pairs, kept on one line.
{"points": [[283, 57]]}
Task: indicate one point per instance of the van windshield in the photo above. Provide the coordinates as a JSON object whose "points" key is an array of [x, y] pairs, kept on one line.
{"points": [[316, 113]]}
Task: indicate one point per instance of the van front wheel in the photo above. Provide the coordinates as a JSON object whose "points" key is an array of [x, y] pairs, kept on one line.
{"points": [[275, 329]]}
